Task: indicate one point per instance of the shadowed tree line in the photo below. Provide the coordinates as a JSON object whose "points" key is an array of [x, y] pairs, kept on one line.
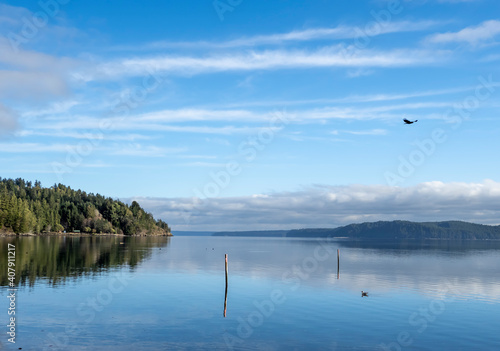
{"points": [[57, 258], [390, 230], [27, 207], [387, 230]]}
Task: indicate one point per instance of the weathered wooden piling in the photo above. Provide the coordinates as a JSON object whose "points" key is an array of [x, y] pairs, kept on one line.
{"points": [[226, 270]]}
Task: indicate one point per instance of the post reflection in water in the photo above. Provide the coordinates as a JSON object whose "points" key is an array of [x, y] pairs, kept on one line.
{"points": [[225, 296], [338, 264], [225, 302]]}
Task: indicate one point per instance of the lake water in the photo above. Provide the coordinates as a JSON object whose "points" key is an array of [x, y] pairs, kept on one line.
{"points": [[159, 293]]}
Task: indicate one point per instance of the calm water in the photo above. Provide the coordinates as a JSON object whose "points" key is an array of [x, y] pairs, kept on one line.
{"points": [[284, 294]]}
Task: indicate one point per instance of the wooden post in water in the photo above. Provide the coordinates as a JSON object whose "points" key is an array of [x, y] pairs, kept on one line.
{"points": [[226, 270], [338, 263]]}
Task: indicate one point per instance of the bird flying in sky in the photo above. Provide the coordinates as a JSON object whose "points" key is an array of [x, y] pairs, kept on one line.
{"points": [[409, 122]]}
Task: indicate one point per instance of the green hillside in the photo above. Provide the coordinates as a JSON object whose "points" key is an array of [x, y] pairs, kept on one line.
{"points": [[27, 207], [388, 230]]}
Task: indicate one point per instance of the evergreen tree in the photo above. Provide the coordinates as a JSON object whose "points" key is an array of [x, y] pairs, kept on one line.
{"points": [[26, 207]]}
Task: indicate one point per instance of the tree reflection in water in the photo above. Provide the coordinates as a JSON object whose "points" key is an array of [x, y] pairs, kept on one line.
{"points": [[57, 258]]}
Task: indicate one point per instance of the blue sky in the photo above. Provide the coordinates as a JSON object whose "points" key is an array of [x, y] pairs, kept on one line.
{"points": [[252, 114]]}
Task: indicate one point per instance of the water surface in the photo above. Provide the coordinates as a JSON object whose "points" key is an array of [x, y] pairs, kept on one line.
{"points": [[159, 293]]}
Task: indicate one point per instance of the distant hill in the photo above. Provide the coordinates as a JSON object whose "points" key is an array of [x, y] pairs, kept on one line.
{"points": [[27, 207], [456, 230]]}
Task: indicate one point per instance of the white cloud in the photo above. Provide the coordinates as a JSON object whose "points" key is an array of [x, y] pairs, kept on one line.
{"points": [[135, 123], [204, 164], [361, 132], [237, 121], [330, 56], [304, 35], [136, 149], [12, 15], [31, 85], [27, 59], [123, 149], [331, 206], [84, 136], [361, 72], [360, 98], [218, 141], [8, 120], [193, 114], [472, 35], [33, 147], [32, 75], [24, 27], [203, 157], [55, 108]]}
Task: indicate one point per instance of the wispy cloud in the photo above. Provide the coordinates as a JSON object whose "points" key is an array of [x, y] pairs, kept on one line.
{"points": [[382, 112], [361, 132], [12, 15], [32, 75], [93, 125], [124, 149], [331, 206], [27, 59], [237, 121], [204, 164], [192, 114], [8, 120], [360, 98], [331, 56], [473, 35], [360, 72], [218, 141], [31, 85], [33, 147], [202, 157], [54, 109], [303, 35], [136, 149], [84, 135]]}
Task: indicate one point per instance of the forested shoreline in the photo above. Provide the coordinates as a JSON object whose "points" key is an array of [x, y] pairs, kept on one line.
{"points": [[27, 207]]}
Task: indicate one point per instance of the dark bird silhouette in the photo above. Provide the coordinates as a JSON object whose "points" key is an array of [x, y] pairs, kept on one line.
{"points": [[409, 122], [364, 293]]}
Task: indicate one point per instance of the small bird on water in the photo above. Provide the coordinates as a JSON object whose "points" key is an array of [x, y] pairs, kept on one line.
{"points": [[364, 293]]}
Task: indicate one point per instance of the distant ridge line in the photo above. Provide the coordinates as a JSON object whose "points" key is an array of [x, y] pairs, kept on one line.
{"points": [[398, 229]]}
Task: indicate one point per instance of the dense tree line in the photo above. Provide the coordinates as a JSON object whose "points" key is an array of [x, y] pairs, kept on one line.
{"points": [[27, 207]]}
